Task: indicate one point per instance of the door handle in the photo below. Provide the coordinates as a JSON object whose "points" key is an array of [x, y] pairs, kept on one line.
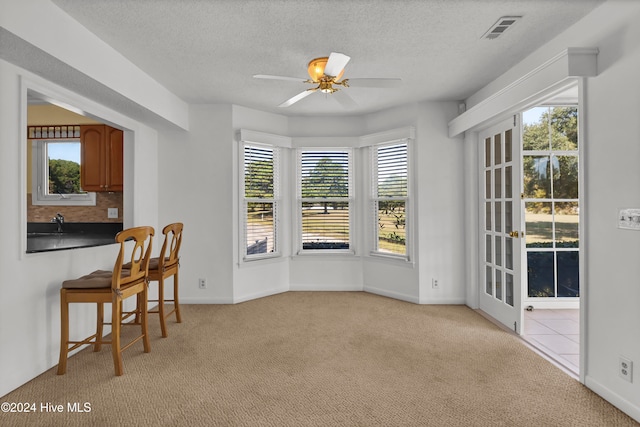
{"points": [[514, 234]]}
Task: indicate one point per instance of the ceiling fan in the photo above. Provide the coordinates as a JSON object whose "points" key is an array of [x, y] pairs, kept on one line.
{"points": [[326, 73]]}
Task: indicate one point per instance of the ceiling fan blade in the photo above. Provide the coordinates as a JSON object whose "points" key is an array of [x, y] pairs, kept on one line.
{"points": [[269, 77], [366, 82], [335, 64], [345, 99], [298, 97]]}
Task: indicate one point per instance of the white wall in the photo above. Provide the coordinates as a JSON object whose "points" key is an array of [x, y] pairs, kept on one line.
{"points": [[440, 168], [340, 126], [195, 173], [438, 247], [612, 182], [611, 107], [29, 307]]}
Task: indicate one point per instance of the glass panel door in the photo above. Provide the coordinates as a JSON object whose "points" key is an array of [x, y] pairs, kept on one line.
{"points": [[551, 204], [500, 294]]}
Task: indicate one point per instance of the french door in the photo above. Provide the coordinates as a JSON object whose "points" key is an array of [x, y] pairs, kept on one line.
{"points": [[500, 293]]}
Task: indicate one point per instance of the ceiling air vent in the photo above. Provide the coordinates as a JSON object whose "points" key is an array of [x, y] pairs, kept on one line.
{"points": [[502, 25]]}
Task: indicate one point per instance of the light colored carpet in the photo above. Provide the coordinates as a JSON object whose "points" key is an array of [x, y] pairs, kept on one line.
{"points": [[320, 359]]}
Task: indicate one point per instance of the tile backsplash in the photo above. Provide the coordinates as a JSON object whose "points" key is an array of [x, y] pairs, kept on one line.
{"points": [[97, 213]]}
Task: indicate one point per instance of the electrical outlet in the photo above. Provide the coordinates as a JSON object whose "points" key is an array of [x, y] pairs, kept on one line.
{"points": [[112, 212], [435, 284], [202, 283], [625, 369]]}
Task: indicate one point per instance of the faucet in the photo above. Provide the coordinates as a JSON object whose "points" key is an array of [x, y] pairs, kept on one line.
{"points": [[59, 220]]}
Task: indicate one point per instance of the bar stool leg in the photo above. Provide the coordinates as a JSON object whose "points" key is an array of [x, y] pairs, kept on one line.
{"points": [[163, 323], [116, 319], [99, 327], [64, 332], [176, 305], [145, 317]]}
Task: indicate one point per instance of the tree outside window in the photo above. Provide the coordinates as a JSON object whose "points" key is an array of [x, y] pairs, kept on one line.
{"points": [[325, 203]]}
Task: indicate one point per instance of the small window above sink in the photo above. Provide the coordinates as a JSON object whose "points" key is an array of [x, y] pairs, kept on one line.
{"points": [[56, 173]]}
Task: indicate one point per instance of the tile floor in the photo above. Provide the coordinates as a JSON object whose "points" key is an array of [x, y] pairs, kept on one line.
{"points": [[556, 333]]}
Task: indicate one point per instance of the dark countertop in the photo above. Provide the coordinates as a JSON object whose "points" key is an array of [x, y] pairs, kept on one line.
{"points": [[44, 237]]}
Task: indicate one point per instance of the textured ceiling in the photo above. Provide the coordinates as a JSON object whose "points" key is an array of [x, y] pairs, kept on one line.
{"points": [[206, 51]]}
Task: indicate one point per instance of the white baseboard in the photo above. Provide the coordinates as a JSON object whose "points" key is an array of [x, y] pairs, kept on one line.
{"points": [[268, 292], [614, 398], [443, 301], [324, 287], [321, 288], [205, 300], [235, 300], [391, 294]]}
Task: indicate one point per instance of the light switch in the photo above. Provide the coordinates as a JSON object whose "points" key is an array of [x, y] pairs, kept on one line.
{"points": [[112, 212]]}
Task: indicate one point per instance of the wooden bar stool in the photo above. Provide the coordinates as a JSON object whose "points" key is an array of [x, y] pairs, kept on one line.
{"points": [[113, 287], [165, 266]]}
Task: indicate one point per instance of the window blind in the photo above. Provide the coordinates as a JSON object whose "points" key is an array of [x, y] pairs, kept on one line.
{"points": [[258, 172], [324, 203], [392, 170], [260, 203], [390, 193], [324, 174]]}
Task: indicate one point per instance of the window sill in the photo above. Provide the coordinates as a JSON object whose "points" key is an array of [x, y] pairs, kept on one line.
{"points": [[306, 252], [272, 256], [391, 258], [320, 255]]}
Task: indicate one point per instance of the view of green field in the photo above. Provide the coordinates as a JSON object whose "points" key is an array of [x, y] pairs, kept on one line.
{"points": [[539, 229], [392, 233], [328, 227]]}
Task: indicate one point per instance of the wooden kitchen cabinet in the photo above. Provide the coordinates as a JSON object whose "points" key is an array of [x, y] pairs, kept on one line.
{"points": [[102, 158]]}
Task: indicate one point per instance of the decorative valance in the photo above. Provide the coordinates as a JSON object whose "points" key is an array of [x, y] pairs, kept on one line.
{"points": [[53, 132]]}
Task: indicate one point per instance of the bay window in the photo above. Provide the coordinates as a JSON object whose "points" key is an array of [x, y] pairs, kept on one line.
{"points": [[306, 196]]}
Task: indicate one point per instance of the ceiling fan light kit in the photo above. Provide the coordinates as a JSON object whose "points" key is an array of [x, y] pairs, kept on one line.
{"points": [[316, 69], [327, 72]]}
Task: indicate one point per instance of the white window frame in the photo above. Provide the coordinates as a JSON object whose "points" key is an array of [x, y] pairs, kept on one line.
{"points": [[350, 199], [374, 199], [40, 179], [275, 201]]}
